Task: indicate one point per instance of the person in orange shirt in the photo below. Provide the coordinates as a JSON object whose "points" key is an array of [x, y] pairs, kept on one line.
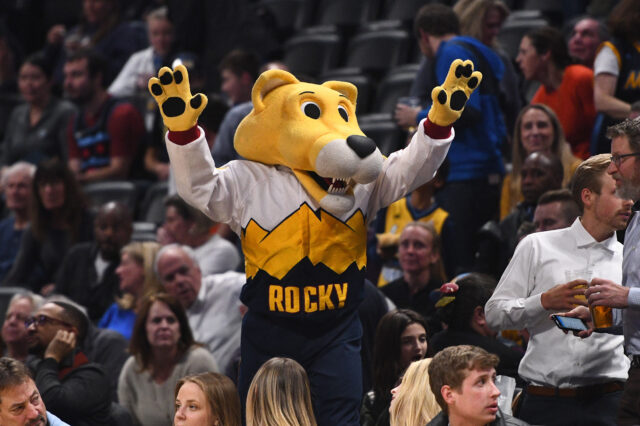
{"points": [[567, 89]]}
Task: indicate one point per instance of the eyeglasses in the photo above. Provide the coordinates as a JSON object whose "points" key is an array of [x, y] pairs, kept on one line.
{"points": [[617, 158], [39, 320]]}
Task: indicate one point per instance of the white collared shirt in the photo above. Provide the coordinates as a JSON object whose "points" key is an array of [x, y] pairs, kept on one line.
{"points": [[540, 262], [215, 317]]}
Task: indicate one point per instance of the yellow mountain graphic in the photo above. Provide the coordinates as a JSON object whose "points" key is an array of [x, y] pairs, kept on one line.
{"points": [[320, 237]]}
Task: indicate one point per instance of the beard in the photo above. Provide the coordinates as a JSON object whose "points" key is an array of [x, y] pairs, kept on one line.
{"points": [[630, 188]]}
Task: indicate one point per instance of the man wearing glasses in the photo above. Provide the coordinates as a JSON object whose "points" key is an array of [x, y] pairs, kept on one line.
{"points": [[625, 169], [72, 387]]}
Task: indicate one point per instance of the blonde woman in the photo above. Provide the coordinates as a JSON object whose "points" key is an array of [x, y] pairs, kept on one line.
{"points": [[412, 402], [206, 399], [137, 279], [537, 129], [279, 395]]}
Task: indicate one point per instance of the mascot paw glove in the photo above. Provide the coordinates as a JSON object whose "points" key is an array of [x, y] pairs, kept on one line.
{"points": [[180, 110], [450, 98]]}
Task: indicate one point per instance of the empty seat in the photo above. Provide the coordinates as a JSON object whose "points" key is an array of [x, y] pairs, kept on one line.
{"points": [[406, 10], [102, 192], [387, 136], [362, 82], [287, 14], [312, 54], [394, 86], [152, 207], [512, 32], [344, 12], [378, 51]]}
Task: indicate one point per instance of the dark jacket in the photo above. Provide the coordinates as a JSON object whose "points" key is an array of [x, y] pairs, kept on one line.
{"points": [[75, 390], [78, 280], [501, 420]]}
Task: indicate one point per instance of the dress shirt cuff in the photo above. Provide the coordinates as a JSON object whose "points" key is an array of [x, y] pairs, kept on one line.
{"points": [[634, 298], [533, 306]]}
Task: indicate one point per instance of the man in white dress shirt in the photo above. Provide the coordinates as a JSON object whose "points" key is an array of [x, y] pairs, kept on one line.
{"points": [[569, 380], [212, 303]]}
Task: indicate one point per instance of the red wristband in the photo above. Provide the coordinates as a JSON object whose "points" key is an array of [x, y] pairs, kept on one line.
{"points": [[436, 132], [184, 137]]}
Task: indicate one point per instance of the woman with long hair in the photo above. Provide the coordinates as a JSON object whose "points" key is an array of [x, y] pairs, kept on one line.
{"points": [[279, 395], [207, 399], [162, 351], [401, 338], [137, 279], [412, 402], [59, 219], [37, 129], [537, 129]]}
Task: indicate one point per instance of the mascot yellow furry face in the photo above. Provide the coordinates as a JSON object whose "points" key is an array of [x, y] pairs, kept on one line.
{"points": [[313, 130]]}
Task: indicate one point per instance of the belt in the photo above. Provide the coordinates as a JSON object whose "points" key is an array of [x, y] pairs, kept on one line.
{"points": [[579, 392]]}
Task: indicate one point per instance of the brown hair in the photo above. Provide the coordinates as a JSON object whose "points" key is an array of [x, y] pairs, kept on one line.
{"points": [[623, 21], [450, 367], [72, 210], [437, 268], [589, 175], [629, 128], [12, 373], [140, 347], [221, 395], [279, 395], [436, 19]]}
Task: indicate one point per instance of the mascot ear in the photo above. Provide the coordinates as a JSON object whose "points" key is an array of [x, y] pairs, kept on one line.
{"points": [[347, 89], [268, 81]]}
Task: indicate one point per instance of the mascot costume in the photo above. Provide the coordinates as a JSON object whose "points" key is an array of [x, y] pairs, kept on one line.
{"points": [[301, 202]]}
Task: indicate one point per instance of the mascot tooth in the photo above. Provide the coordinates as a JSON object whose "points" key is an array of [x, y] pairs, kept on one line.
{"points": [[301, 202]]}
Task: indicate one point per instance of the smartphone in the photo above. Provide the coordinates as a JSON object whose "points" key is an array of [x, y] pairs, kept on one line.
{"points": [[568, 323]]}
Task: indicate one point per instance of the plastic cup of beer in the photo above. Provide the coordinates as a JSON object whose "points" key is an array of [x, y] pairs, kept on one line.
{"points": [[579, 274], [602, 316]]}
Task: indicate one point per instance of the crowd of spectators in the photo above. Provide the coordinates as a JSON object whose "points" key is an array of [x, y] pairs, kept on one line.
{"points": [[525, 213]]}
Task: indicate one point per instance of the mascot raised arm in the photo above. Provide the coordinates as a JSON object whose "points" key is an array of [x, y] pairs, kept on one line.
{"points": [[301, 202]]}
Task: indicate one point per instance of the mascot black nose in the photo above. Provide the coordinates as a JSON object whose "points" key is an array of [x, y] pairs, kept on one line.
{"points": [[361, 145]]}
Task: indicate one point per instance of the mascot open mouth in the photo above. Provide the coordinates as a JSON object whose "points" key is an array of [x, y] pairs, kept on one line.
{"points": [[331, 185]]}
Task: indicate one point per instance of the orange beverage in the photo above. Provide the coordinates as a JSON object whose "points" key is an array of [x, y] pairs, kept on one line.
{"points": [[580, 296], [602, 316]]}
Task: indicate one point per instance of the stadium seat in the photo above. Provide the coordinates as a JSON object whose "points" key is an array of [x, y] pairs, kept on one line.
{"points": [[394, 86], [287, 14], [312, 54], [344, 12], [387, 136], [144, 231], [152, 207], [378, 51], [102, 192], [362, 82]]}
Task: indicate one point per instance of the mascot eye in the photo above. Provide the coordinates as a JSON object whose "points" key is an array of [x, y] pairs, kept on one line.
{"points": [[343, 113], [311, 109]]}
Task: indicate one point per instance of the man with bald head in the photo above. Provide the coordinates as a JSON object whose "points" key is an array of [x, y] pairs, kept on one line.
{"points": [[87, 275], [540, 173]]}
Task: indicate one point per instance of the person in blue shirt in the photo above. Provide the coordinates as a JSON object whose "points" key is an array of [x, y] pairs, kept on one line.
{"points": [[475, 160]]}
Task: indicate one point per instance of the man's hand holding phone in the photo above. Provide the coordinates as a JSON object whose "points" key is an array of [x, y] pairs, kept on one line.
{"points": [[582, 313], [61, 345]]}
